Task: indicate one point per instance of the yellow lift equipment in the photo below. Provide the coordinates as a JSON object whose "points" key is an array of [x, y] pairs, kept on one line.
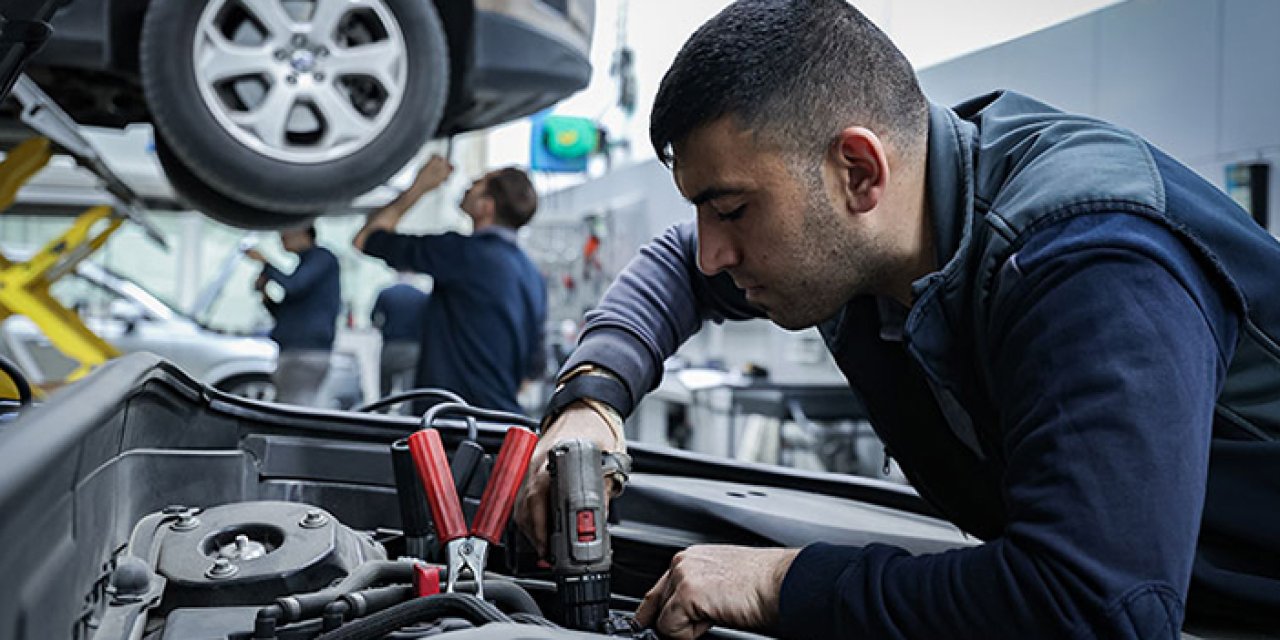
{"points": [[24, 286]]}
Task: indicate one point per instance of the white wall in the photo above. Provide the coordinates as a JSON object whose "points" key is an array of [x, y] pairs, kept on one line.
{"points": [[1195, 77]]}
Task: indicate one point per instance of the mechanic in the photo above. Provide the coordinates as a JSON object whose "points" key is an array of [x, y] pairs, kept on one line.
{"points": [[397, 313], [482, 333], [1052, 323], [306, 316]]}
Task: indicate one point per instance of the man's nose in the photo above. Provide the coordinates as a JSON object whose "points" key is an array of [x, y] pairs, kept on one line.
{"points": [[716, 252]]}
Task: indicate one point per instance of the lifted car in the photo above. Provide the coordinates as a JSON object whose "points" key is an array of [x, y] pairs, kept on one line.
{"points": [[270, 111]]}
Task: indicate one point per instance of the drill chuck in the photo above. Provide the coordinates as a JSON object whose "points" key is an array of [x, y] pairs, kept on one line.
{"points": [[584, 600]]}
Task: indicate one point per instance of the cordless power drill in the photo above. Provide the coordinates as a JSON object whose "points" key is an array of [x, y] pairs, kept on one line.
{"points": [[580, 550]]}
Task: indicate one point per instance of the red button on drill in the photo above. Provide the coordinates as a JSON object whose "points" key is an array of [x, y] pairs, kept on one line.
{"points": [[586, 525]]}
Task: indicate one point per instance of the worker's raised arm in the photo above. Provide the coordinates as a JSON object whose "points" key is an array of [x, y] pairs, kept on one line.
{"points": [[309, 273], [430, 176]]}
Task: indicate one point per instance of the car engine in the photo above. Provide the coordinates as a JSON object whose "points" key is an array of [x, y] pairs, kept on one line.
{"points": [[285, 570], [168, 510]]}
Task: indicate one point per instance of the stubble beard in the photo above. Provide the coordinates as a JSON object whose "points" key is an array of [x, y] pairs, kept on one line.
{"points": [[836, 265]]}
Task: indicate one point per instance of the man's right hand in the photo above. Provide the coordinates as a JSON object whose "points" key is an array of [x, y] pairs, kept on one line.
{"points": [[532, 506], [433, 173], [430, 176]]}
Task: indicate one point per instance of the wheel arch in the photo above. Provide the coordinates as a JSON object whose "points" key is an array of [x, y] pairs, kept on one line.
{"points": [[458, 19], [124, 32]]}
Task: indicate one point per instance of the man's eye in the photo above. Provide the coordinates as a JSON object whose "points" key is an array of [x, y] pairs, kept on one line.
{"points": [[732, 215]]}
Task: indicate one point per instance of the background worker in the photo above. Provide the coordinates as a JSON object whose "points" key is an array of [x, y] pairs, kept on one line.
{"points": [[306, 316], [484, 323], [398, 314], [1055, 328]]}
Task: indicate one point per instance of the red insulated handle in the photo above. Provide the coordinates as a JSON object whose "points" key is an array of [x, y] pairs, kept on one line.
{"points": [[437, 481], [500, 495]]}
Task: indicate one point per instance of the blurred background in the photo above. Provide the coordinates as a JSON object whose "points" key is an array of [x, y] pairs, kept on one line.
{"points": [[1193, 76]]}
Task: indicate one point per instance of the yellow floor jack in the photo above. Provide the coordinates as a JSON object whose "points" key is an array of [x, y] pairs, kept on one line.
{"points": [[24, 286]]}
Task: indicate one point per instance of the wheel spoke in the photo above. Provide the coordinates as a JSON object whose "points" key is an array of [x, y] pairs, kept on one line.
{"points": [[342, 121], [270, 119], [380, 60], [328, 14], [272, 16], [222, 59]]}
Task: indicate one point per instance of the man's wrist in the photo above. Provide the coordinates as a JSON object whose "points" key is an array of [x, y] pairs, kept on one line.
{"points": [[611, 418], [596, 388], [589, 380]]}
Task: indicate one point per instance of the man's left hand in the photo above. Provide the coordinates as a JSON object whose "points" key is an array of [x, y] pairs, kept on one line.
{"points": [[716, 584], [254, 254]]}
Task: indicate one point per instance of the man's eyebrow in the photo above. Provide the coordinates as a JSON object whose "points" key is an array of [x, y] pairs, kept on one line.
{"points": [[712, 193]]}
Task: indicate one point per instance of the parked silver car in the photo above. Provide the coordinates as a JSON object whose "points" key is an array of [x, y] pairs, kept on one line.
{"points": [[133, 319]]}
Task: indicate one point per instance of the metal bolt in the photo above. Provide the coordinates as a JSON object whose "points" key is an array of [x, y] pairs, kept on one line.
{"points": [[174, 509], [322, 51], [222, 568], [281, 54], [314, 519], [242, 543], [299, 40], [291, 79], [467, 548], [186, 522], [318, 76]]}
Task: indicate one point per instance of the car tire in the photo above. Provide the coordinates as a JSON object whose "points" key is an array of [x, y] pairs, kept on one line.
{"points": [[238, 150], [193, 193], [255, 386]]}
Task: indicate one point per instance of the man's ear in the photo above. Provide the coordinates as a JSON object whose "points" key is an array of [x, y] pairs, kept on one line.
{"points": [[488, 208], [863, 168]]}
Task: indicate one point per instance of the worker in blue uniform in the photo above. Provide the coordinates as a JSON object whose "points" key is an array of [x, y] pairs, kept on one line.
{"points": [[306, 315], [397, 313], [1066, 339], [482, 334]]}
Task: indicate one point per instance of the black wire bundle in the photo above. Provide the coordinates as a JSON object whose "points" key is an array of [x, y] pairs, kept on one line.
{"points": [[460, 605]]}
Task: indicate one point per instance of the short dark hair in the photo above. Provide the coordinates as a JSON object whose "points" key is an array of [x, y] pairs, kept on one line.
{"points": [[795, 72], [514, 199]]}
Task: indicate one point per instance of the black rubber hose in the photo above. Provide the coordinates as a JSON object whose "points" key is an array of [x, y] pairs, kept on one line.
{"points": [[534, 619], [508, 596], [473, 430], [370, 601], [310, 605], [461, 605], [264, 626], [359, 604], [455, 408]]}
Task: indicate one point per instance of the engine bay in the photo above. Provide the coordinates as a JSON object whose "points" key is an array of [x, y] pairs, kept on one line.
{"points": [[169, 510], [285, 570]]}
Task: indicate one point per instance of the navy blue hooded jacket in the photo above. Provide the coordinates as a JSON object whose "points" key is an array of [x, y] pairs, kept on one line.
{"points": [[1090, 384]]}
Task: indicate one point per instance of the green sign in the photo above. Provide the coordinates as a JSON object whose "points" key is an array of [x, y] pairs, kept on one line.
{"points": [[570, 137]]}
